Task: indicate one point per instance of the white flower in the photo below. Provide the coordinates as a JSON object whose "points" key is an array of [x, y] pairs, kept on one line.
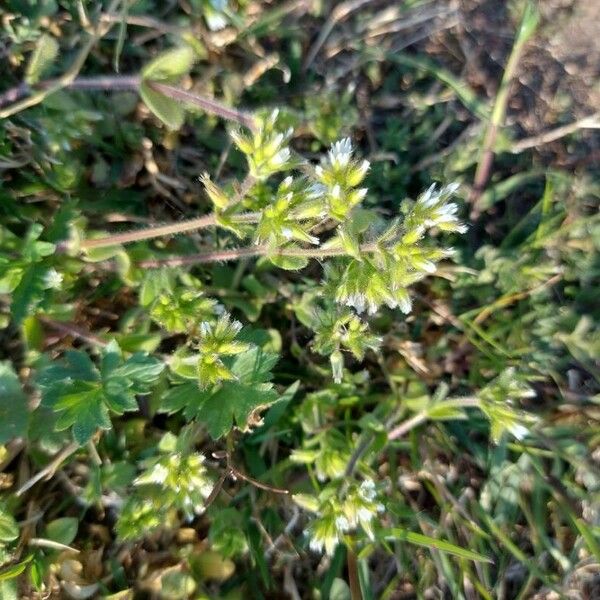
{"points": [[519, 431], [52, 279], [158, 474], [340, 153]]}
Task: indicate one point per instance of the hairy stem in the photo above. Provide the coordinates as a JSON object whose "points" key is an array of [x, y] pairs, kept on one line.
{"points": [[20, 95], [162, 230], [206, 104], [250, 252]]}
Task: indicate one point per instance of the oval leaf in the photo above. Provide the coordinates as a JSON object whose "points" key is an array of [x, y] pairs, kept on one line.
{"points": [[42, 58], [289, 263], [62, 530], [9, 530], [170, 65], [169, 111]]}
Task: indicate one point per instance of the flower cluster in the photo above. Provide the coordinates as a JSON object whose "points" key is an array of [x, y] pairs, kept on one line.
{"points": [[180, 310], [265, 147], [283, 220], [175, 481], [337, 517], [181, 478], [432, 209], [328, 452], [396, 259], [338, 177], [214, 341], [335, 330], [497, 401]]}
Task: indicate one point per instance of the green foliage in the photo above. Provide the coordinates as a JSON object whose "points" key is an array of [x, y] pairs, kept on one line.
{"points": [[169, 67], [9, 530], [239, 399], [497, 402], [213, 342], [29, 276], [84, 395], [13, 405], [232, 347]]}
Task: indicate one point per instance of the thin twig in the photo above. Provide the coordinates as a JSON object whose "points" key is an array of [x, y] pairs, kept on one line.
{"points": [[73, 330], [263, 486], [589, 122], [45, 543], [407, 425], [420, 417], [339, 13], [49, 470], [102, 82]]}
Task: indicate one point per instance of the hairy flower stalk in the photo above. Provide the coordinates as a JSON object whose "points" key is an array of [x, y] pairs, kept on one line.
{"points": [[248, 252], [162, 231]]}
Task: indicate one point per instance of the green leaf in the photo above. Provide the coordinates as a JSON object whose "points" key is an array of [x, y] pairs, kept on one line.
{"points": [[42, 58], [289, 263], [235, 402], [13, 405], [9, 530], [167, 68], [140, 370], [179, 396], [85, 411], [339, 590], [254, 366], [29, 293], [398, 534], [82, 395], [169, 111], [14, 570], [62, 530], [170, 65]]}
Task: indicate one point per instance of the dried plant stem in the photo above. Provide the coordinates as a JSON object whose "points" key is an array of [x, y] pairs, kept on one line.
{"points": [[420, 418], [73, 330], [50, 468], [589, 122], [249, 252], [407, 426], [484, 166]]}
